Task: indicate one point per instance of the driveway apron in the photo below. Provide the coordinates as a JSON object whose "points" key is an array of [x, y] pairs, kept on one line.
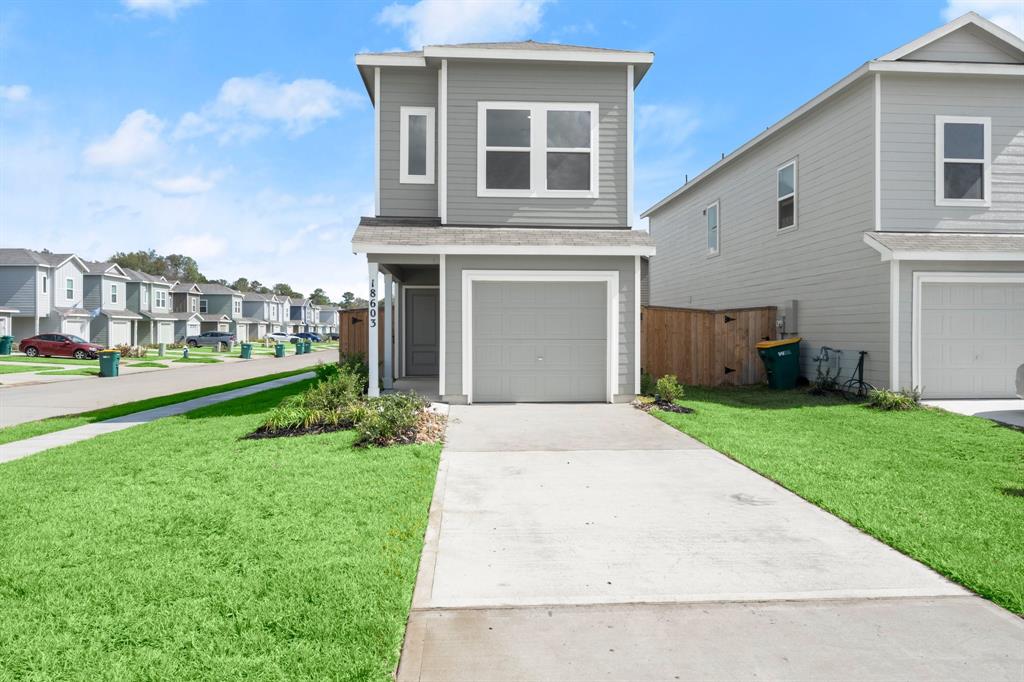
{"points": [[582, 542]]}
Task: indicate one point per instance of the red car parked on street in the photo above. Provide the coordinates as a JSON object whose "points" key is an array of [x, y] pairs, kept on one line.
{"points": [[64, 345]]}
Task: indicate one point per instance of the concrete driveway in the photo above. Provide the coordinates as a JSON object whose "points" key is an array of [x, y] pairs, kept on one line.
{"points": [[583, 542], [1009, 412]]}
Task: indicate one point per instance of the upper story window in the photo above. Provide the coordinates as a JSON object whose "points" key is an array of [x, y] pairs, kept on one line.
{"points": [[192, 303], [69, 288], [44, 284], [416, 142], [537, 150], [113, 293], [711, 213], [786, 195], [144, 294], [236, 307], [963, 162], [204, 305], [160, 298]]}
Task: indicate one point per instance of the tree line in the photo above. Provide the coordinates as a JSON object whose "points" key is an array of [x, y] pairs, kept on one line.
{"points": [[176, 267]]}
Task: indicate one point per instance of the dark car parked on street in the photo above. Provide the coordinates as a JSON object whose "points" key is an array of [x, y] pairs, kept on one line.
{"points": [[310, 336], [210, 339], [62, 345]]}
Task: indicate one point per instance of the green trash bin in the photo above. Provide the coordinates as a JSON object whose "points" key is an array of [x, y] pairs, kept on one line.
{"points": [[6, 342], [279, 350], [110, 363], [247, 351], [307, 347], [781, 361]]}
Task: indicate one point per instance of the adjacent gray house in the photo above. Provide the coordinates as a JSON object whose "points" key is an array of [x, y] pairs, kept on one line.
{"points": [[185, 310], [884, 215], [267, 313], [304, 315], [220, 308], [150, 297], [42, 292], [106, 299], [502, 225]]}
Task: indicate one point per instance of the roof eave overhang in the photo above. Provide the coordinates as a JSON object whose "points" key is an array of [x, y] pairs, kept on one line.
{"points": [[503, 250], [888, 254]]}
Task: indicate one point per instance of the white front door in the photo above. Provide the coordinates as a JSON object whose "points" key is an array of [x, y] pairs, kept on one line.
{"points": [[971, 338], [120, 332]]}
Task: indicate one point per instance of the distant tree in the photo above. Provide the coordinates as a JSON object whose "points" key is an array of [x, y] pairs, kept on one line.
{"points": [[283, 289], [183, 268], [149, 262], [346, 300], [319, 297], [222, 282], [258, 287], [240, 284]]}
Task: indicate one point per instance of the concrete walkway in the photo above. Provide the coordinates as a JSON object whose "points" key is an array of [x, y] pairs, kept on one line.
{"points": [[30, 446], [20, 404], [1008, 412], [584, 542]]}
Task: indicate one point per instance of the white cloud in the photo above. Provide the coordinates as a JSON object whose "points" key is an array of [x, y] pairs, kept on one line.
{"points": [[665, 125], [137, 139], [186, 185], [15, 93], [164, 8], [1006, 13], [438, 22], [244, 107]]}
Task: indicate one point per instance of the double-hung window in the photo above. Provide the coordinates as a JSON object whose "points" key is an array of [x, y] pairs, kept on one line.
{"points": [[113, 293], [786, 195], [160, 298], [963, 161], [537, 149], [44, 284], [711, 214], [69, 289], [204, 305], [192, 304], [236, 307], [416, 145]]}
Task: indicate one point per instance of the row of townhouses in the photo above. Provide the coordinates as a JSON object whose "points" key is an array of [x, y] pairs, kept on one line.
{"points": [[885, 215], [42, 292]]}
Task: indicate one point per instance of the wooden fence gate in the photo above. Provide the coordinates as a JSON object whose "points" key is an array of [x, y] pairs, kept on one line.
{"points": [[353, 336], [705, 347]]}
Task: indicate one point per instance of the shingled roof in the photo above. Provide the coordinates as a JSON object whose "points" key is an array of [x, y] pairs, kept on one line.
{"points": [[904, 244]]}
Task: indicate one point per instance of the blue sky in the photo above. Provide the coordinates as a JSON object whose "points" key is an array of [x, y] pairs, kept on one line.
{"points": [[240, 133]]}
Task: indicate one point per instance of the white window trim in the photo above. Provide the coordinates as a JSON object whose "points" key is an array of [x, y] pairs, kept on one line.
{"points": [[113, 293], [921, 278], [795, 194], [941, 160], [204, 303], [160, 298], [718, 228], [403, 175], [538, 150], [610, 279], [193, 304], [69, 286], [44, 284], [236, 307]]}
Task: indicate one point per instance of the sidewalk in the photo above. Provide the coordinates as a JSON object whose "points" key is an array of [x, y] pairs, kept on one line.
{"points": [[20, 404]]}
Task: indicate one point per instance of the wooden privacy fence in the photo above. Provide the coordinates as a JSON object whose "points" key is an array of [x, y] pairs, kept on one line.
{"points": [[353, 336], [705, 347]]}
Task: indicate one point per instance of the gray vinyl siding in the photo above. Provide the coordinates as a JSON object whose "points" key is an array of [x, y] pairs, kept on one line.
{"points": [[909, 106], [967, 44], [133, 299], [907, 270], [92, 292], [454, 265], [18, 289], [68, 270], [97, 293], [98, 332], [218, 304], [473, 82], [839, 284], [254, 309], [410, 87]]}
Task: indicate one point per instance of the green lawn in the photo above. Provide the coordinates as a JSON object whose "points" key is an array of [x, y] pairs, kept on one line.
{"points": [[945, 489], [200, 359], [78, 371], [39, 427], [56, 361], [175, 550], [148, 363], [17, 369]]}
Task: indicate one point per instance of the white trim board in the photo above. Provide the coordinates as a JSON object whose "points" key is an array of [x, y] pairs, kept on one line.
{"points": [[926, 255], [442, 341], [376, 140], [941, 160], [636, 324], [969, 18], [442, 142], [610, 279], [503, 250], [630, 163], [921, 278], [404, 177]]}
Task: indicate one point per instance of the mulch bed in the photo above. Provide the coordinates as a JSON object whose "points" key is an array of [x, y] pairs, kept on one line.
{"points": [[665, 406]]}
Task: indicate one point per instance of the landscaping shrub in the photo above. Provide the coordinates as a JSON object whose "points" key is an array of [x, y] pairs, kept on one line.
{"points": [[129, 351], [904, 399], [355, 364], [326, 371], [668, 390], [387, 419], [646, 384]]}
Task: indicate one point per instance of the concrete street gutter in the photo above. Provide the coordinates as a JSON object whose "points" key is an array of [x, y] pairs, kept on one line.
{"points": [[19, 404], [31, 446]]}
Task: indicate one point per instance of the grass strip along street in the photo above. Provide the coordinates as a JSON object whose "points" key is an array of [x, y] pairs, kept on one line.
{"points": [[180, 550], [945, 489], [42, 426]]}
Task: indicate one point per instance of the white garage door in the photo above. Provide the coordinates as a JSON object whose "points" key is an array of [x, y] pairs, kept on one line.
{"points": [[120, 333], [77, 327], [192, 328], [165, 332], [972, 339], [540, 342], [242, 332]]}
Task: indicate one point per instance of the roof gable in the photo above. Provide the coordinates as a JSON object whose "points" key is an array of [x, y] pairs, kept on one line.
{"points": [[969, 38]]}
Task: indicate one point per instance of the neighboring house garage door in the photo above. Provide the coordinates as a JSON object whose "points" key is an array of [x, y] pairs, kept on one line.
{"points": [[539, 341], [242, 332], [120, 332], [77, 327], [192, 328], [165, 332], [971, 339]]}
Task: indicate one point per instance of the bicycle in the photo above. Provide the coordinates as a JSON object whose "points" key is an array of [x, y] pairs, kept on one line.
{"points": [[855, 386]]}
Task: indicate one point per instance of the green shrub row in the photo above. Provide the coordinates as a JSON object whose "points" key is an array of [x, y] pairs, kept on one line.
{"points": [[903, 399]]}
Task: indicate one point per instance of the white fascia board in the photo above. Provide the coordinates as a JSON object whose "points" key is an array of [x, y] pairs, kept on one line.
{"points": [[879, 247], [484, 250], [805, 108], [959, 255], [949, 68], [944, 30], [605, 57], [391, 60]]}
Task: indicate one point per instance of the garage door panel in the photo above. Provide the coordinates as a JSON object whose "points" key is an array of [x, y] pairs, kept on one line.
{"points": [[119, 333], [539, 341], [971, 339], [165, 332]]}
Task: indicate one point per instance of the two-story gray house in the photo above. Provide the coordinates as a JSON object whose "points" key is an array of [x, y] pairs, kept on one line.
{"points": [[221, 310], [304, 315], [185, 310], [42, 292], [267, 312], [105, 296], [884, 215], [502, 224], [150, 297], [329, 320]]}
